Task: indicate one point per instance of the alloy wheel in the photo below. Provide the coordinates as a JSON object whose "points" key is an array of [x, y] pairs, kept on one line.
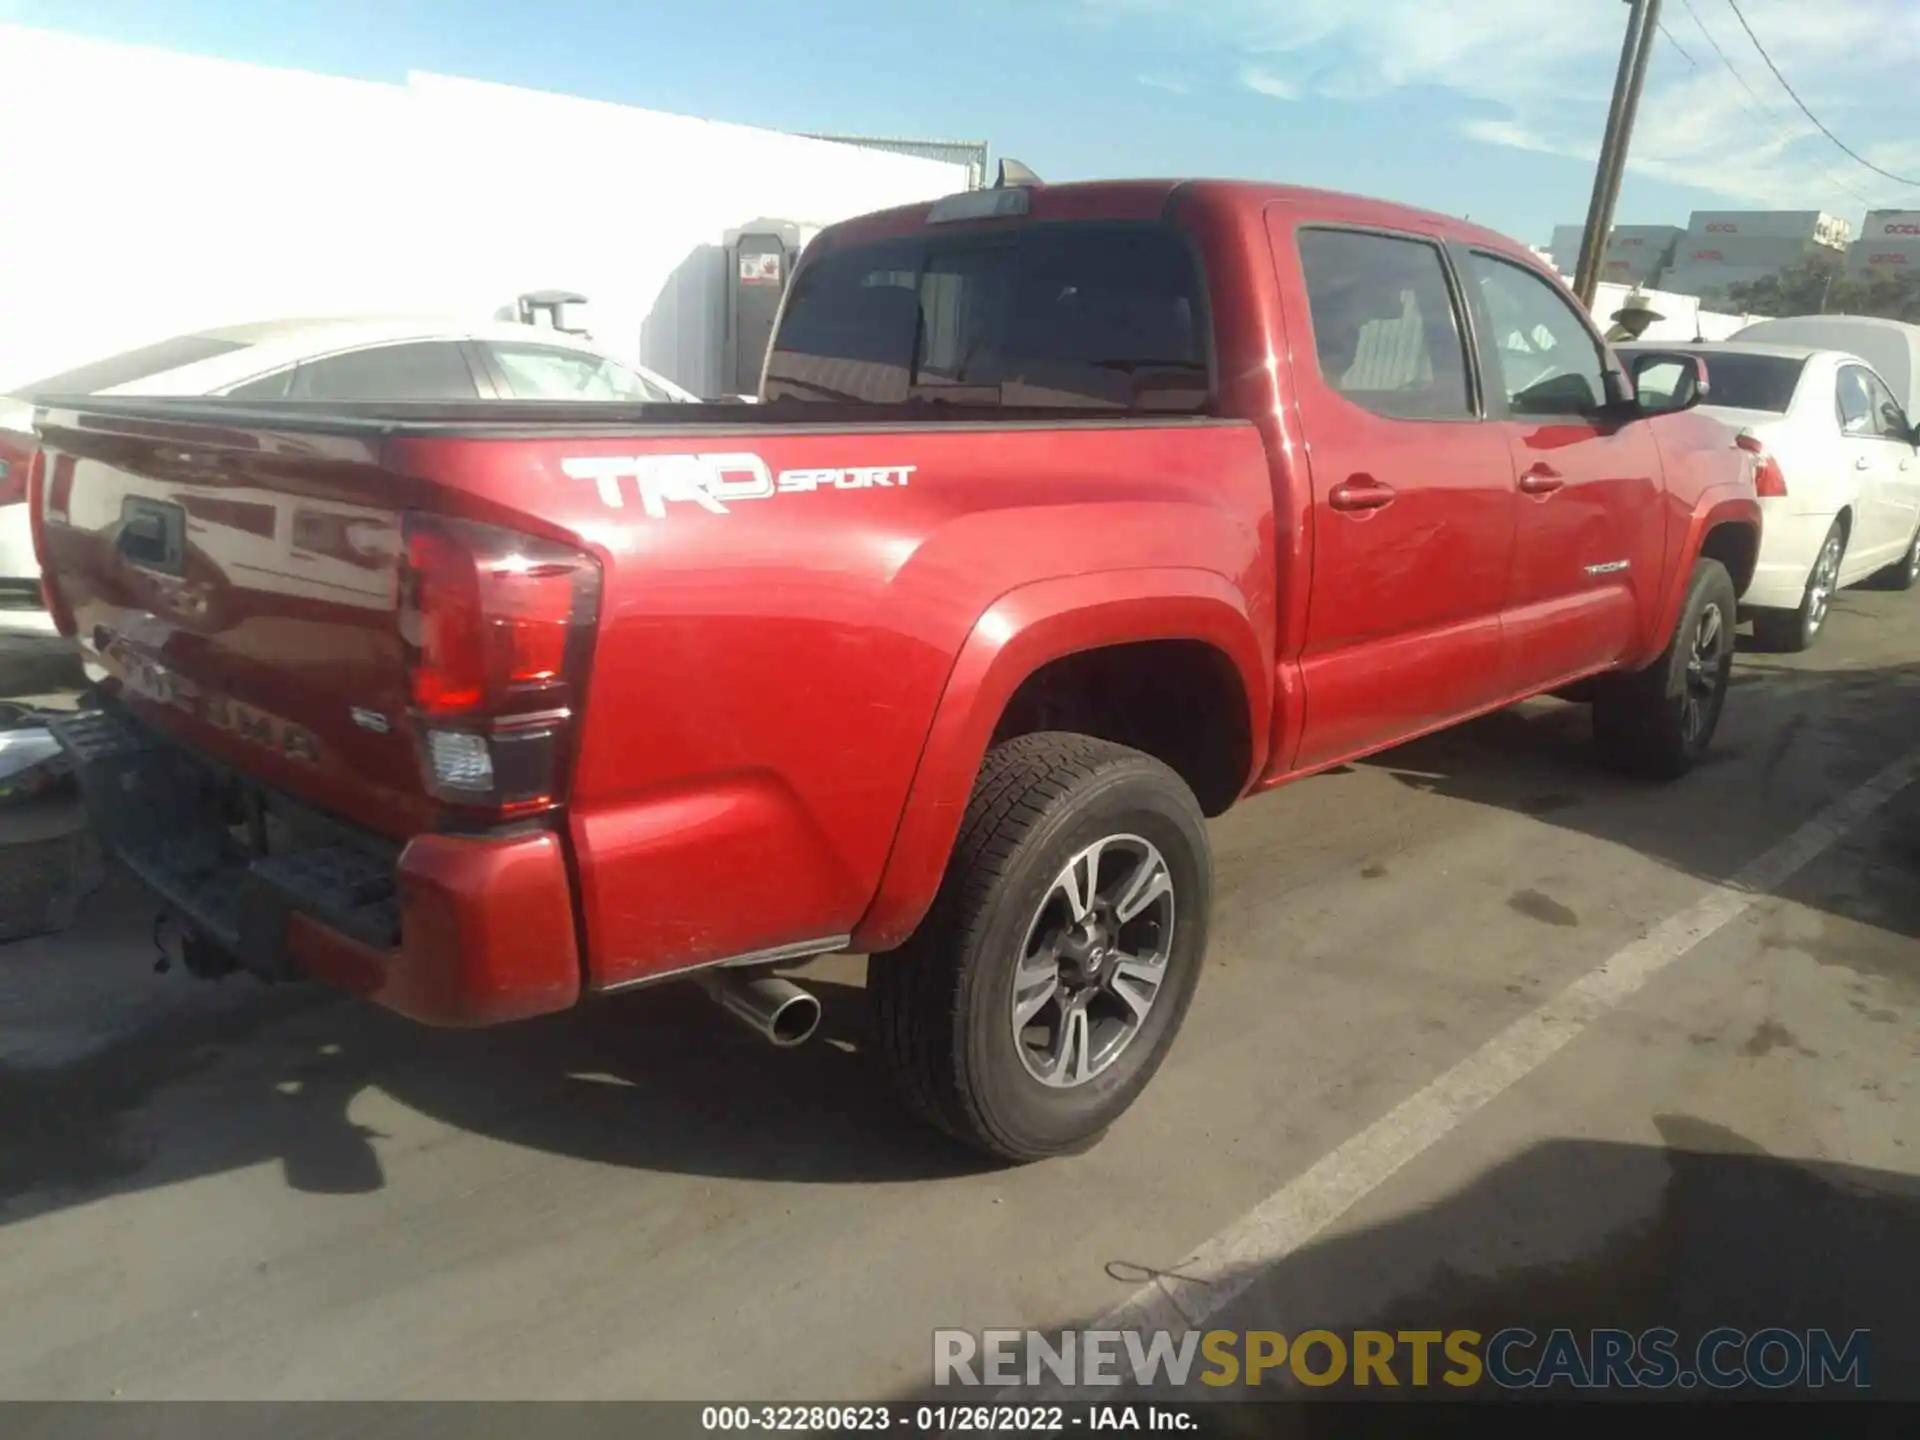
{"points": [[1821, 587], [1706, 672], [1094, 961]]}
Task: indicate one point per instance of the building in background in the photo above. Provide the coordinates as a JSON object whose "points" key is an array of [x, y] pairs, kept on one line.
{"points": [[1639, 254], [1718, 249], [1889, 246], [1724, 248], [970, 153], [1564, 249], [1635, 254], [430, 196]]}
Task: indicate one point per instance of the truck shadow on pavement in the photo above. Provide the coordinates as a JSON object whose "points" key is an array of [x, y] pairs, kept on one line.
{"points": [[245, 1075], [1794, 737], [1702, 1230]]}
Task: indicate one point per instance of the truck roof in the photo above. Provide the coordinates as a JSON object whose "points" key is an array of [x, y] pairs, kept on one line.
{"points": [[1150, 199]]}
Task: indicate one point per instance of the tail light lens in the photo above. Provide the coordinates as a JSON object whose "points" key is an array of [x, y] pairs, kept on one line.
{"points": [[1769, 480], [39, 504], [17, 454], [498, 627]]}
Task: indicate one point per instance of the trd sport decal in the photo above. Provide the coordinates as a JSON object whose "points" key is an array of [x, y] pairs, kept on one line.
{"points": [[713, 482]]}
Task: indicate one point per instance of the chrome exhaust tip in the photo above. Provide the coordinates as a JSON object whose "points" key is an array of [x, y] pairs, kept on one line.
{"points": [[776, 1010]]}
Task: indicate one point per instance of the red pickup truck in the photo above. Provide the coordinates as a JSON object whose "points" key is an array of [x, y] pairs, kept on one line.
{"points": [[1070, 516]]}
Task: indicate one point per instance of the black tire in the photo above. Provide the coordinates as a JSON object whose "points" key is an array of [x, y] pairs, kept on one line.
{"points": [[1792, 631], [1904, 573], [1643, 723], [942, 1002]]}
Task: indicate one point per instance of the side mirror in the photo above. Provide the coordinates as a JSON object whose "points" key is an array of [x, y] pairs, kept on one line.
{"points": [[1667, 382]]}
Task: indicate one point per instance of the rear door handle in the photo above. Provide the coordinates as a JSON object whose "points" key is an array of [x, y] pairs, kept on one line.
{"points": [[1863, 463], [1542, 479], [1361, 492]]}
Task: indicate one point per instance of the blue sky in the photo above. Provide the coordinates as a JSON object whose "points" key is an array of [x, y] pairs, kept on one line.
{"points": [[1488, 108]]}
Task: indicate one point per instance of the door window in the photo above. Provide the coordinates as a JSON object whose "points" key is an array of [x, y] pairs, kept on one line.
{"points": [[1889, 420], [539, 372], [1855, 402], [1385, 329], [1550, 363], [426, 370]]}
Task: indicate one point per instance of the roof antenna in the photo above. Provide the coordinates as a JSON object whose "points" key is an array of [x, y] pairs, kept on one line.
{"points": [[1012, 172]]}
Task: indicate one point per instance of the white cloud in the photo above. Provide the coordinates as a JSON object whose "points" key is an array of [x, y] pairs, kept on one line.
{"points": [[1172, 84], [1509, 133], [1543, 86], [1265, 82]]}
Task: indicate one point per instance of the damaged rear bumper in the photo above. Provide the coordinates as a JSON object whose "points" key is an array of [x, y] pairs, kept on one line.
{"points": [[448, 929]]}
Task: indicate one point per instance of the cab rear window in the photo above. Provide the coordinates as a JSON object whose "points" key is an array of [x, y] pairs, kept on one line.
{"points": [[1105, 316], [1735, 381]]}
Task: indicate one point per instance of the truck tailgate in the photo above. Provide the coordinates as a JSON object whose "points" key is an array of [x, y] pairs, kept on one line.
{"points": [[253, 585]]}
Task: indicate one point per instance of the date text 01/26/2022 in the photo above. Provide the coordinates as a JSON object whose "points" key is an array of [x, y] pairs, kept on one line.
{"points": [[946, 1419]]}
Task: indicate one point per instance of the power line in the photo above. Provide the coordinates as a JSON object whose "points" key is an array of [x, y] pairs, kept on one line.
{"points": [[1678, 46], [1758, 109], [1734, 6]]}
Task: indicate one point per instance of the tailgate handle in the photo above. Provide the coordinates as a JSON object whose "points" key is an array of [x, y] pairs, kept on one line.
{"points": [[153, 534]]}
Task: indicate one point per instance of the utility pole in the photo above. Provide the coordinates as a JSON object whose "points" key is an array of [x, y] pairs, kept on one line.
{"points": [[1643, 28]]}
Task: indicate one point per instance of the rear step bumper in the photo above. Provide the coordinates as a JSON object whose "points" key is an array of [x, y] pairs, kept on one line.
{"points": [[449, 930]]}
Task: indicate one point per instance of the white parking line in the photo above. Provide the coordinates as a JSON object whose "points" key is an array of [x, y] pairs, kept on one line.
{"points": [[1226, 1266]]}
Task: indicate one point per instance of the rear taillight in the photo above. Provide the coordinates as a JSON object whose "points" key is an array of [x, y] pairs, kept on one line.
{"points": [[39, 503], [1769, 480], [17, 454], [497, 627]]}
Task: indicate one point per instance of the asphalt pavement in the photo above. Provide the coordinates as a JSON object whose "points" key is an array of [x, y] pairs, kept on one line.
{"points": [[1487, 1037]]}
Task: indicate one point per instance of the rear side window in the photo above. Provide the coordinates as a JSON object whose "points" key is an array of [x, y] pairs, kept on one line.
{"points": [[428, 370], [1385, 328], [1889, 420], [1855, 401], [539, 372], [267, 387], [1105, 316]]}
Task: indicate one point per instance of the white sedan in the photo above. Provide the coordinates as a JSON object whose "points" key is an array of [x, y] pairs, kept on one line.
{"points": [[340, 359], [1837, 472]]}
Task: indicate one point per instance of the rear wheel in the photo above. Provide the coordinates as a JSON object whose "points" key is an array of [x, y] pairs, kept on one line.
{"points": [[1046, 985], [1658, 722], [1904, 573], [1794, 630]]}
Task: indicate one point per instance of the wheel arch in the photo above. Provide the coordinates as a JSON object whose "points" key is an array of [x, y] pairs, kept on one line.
{"points": [[1735, 546], [1040, 631], [1728, 508]]}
